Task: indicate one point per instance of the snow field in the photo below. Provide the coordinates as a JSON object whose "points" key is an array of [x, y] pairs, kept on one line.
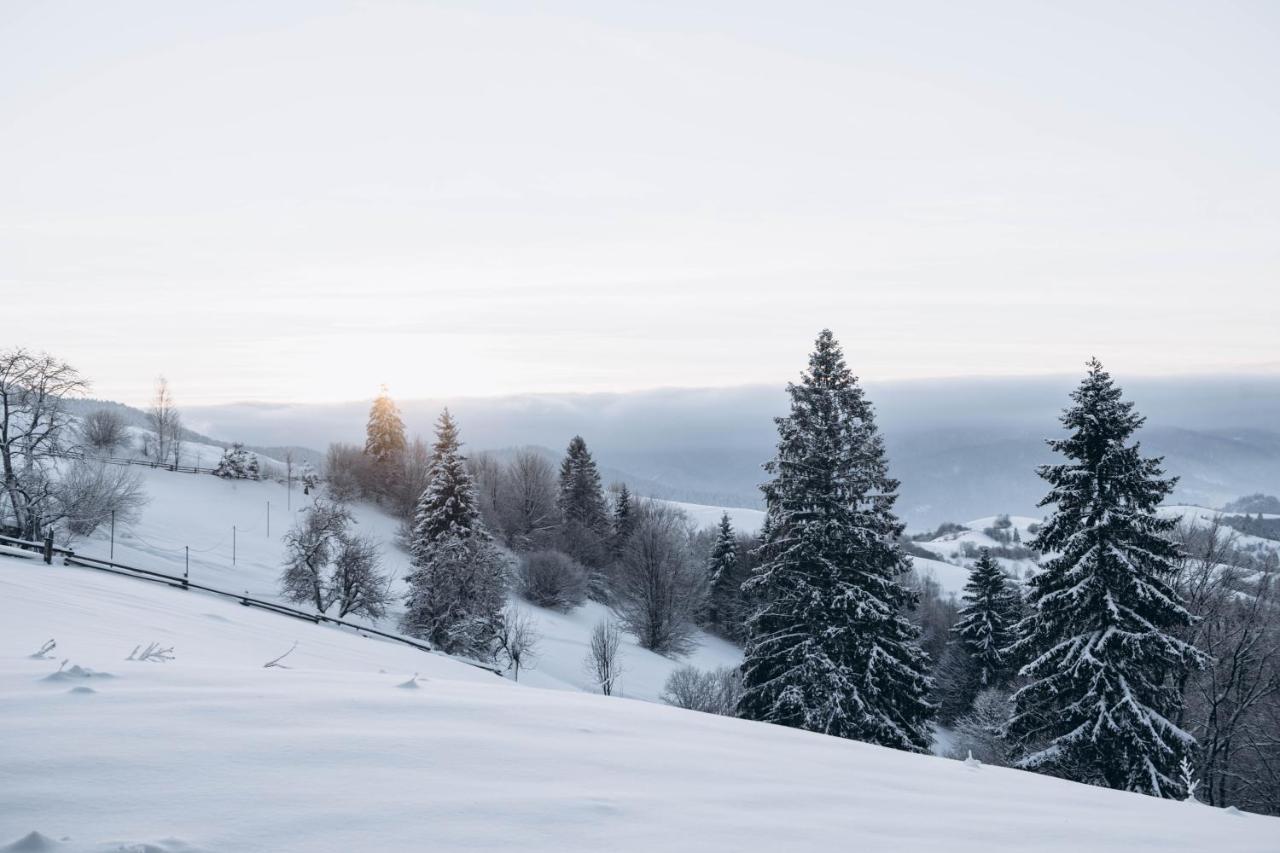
{"points": [[213, 752]]}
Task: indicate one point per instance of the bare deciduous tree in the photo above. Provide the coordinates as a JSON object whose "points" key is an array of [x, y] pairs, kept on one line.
{"points": [[517, 640], [103, 430], [32, 426], [310, 546], [346, 471], [358, 586], [657, 587], [89, 491], [603, 661], [164, 420], [526, 502], [1232, 706]]}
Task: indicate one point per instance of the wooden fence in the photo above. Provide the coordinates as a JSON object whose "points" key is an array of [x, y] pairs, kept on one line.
{"points": [[146, 463], [46, 551]]}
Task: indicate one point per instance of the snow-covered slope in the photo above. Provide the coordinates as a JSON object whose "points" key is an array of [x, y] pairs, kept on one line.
{"points": [[951, 567], [199, 511], [743, 520], [214, 752]]}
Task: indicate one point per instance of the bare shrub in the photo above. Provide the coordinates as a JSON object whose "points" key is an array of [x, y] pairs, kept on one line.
{"points": [[978, 733], [89, 491], [517, 640], [103, 430], [603, 661], [525, 504], [153, 653], [552, 579], [347, 472], [714, 691]]}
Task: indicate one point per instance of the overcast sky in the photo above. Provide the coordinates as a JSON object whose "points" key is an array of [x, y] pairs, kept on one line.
{"points": [[299, 201]]}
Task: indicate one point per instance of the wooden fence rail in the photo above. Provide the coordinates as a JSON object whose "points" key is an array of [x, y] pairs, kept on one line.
{"points": [[147, 463], [47, 550]]}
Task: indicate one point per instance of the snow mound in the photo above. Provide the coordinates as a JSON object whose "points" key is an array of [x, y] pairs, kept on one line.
{"points": [[82, 689], [75, 673]]}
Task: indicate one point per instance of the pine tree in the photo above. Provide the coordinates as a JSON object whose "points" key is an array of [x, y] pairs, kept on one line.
{"points": [[977, 657], [582, 506], [985, 627], [623, 522], [1103, 665], [829, 649], [459, 579], [722, 578], [385, 441]]}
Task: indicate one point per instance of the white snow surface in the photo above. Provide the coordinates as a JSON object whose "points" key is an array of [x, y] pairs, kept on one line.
{"points": [[212, 752], [200, 510], [744, 520]]}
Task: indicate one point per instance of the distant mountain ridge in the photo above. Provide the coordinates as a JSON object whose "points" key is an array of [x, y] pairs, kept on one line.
{"points": [[961, 448]]}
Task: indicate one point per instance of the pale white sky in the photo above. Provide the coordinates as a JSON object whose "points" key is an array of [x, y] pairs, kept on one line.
{"points": [[270, 200]]}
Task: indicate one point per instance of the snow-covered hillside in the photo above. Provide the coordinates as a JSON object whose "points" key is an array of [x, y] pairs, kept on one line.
{"points": [[211, 516], [214, 752]]}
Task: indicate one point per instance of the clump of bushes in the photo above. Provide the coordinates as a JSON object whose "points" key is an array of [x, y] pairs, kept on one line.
{"points": [[552, 579]]}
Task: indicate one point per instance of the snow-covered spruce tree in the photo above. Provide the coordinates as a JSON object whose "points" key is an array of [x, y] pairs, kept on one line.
{"points": [[385, 442], [237, 464], [459, 579], [986, 622], [582, 506], [977, 656], [1103, 660], [829, 648], [722, 578]]}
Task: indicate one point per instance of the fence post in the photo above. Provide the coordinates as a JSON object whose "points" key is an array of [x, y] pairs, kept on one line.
{"points": [[48, 548], [186, 569]]}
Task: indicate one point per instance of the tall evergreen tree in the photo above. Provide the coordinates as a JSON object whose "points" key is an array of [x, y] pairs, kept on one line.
{"points": [[724, 583], [582, 506], [458, 582], [1103, 663], [385, 441], [829, 649]]}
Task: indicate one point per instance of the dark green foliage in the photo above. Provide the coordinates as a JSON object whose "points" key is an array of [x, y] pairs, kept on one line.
{"points": [[1103, 665], [585, 515], [828, 648]]}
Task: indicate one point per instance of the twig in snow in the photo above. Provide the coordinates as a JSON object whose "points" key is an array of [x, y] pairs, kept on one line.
{"points": [[153, 653], [276, 662], [43, 654]]}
